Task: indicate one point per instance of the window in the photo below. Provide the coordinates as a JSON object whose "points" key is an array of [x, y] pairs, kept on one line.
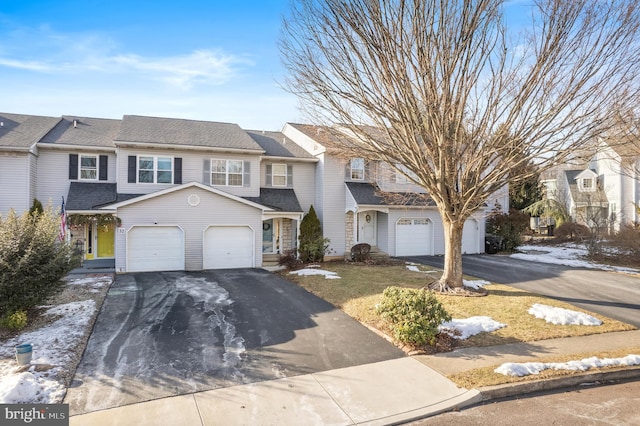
{"points": [[587, 184], [227, 172], [357, 169], [279, 175], [88, 167], [155, 169]]}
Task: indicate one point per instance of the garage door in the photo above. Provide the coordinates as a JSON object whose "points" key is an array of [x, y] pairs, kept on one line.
{"points": [[414, 237], [228, 247], [155, 248], [470, 242]]}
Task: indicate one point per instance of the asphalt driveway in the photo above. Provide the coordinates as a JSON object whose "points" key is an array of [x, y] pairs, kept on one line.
{"points": [[615, 295], [168, 333]]}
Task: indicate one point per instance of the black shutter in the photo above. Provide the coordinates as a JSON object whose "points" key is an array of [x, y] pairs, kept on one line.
{"points": [[177, 170], [246, 181], [103, 168], [269, 177], [73, 166], [206, 172], [131, 169]]}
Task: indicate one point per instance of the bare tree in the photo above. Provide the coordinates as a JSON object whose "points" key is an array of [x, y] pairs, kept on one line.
{"points": [[456, 94]]}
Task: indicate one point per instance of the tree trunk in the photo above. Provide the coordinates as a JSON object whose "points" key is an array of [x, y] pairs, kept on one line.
{"points": [[452, 275]]}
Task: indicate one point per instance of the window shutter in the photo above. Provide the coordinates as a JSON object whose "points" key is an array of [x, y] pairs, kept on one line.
{"points": [[73, 166], [103, 167], [246, 180], [177, 170], [206, 172], [269, 179], [290, 175], [131, 169], [347, 171]]}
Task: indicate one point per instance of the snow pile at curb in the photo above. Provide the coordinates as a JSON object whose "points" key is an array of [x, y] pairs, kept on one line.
{"points": [[561, 316], [529, 368]]}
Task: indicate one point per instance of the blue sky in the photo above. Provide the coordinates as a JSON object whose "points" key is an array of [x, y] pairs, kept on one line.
{"points": [[207, 60]]}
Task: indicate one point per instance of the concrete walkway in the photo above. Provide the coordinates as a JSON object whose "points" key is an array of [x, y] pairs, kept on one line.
{"points": [[382, 393]]}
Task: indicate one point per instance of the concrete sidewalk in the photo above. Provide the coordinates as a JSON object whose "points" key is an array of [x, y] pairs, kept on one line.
{"points": [[382, 393], [388, 392]]}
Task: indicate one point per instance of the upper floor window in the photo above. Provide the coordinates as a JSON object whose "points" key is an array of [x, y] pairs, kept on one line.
{"points": [[155, 169], [587, 184], [227, 172], [279, 175], [357, 169], [88, 167]]}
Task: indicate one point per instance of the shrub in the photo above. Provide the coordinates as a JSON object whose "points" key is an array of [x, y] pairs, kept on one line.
{"points": [[313, 246], [627, 240], [570, 231], [412, 314], [509, 226], [32, 260], [14, 321], [289, 260]]}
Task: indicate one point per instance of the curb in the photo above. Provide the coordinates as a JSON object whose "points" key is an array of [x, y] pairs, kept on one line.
{"points": [[514, 389]]}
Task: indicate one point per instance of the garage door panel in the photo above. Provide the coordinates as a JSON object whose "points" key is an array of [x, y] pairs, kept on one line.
{"points": [[413, 237], [228, 247], [155, 249]]}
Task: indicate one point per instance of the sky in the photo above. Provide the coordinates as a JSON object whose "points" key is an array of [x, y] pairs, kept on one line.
{"points": [[198, 59]]}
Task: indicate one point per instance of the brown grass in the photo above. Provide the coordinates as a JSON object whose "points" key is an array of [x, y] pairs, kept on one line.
{"points": [[361, 286]]}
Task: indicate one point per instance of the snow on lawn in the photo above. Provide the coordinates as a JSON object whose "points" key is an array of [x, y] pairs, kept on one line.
{"points": [[528, 368], [469, 326], [53, 351], [568, 255], [561, 316], [475, 284], [309, 271]]}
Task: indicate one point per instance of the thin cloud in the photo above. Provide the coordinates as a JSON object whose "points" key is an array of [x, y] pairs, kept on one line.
{"points": [[90, 53]]}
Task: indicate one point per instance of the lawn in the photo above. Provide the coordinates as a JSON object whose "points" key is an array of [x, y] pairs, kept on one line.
{"points": [[360, 289]]}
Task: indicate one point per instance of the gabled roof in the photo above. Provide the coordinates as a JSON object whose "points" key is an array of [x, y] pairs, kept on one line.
{"points": [[276, 144], [83, 131], [86, 196], [369, 194], [160, 193], [283, 200], [597, 197], [328, 137], [22, 132], [157, 131]]}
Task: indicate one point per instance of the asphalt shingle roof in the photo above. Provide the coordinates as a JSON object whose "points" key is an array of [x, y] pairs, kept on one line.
{"points": [[283, 200], [97, 132], [584, 197], [89, 196], [23, 131], [173, 131], [276, 144], [369, 194]]}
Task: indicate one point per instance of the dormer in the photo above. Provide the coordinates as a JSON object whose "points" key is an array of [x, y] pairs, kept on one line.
{"points": [[587, 181]]}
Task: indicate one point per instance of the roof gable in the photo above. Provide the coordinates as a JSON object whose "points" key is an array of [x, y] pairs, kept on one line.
{"points": [[276, 144], [20, 131]]}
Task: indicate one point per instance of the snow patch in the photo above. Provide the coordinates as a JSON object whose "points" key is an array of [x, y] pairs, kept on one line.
{"points": [[308, 272], [561, 316], [465, 328], [529, 368]]}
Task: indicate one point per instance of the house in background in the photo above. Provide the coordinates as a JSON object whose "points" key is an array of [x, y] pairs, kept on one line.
{"points": [[602, 190], [172, 194]]}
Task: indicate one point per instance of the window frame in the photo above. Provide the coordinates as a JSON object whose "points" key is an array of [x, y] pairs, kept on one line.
{"points": [[226, 172], [587, 184], [359, 169], [95, 169], [282, 175], [155, 169]]}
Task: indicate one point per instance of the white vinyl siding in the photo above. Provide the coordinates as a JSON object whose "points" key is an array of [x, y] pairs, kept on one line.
{"points": [[332, 211], [192, 171], [174, 209], [15, 189]]}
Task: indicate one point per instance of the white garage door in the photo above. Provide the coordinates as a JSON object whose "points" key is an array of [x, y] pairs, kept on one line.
{"points": [[228, 247], [155, 248], [470, 244], [413, 237]]}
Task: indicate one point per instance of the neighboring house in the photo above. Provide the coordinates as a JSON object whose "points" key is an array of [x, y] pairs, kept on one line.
{"points": [[602, 192], [358, 201], [173, 194]]}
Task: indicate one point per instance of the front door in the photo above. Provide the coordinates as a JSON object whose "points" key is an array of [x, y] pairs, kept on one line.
{"points": [[367, 228], [271, 236], [105, 235]]}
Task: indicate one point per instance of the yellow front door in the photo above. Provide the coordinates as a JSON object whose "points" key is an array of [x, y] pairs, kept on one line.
{"points": [[105, 234]]}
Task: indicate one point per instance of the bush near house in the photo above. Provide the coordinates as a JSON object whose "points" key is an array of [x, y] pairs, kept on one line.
{"points": [[33, 261], [510, 226], [313, 246], [570, 231], [412, 314]]}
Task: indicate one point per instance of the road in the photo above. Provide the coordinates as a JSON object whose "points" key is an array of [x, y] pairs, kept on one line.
{"points": [[612, 294], [595, 405]]}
